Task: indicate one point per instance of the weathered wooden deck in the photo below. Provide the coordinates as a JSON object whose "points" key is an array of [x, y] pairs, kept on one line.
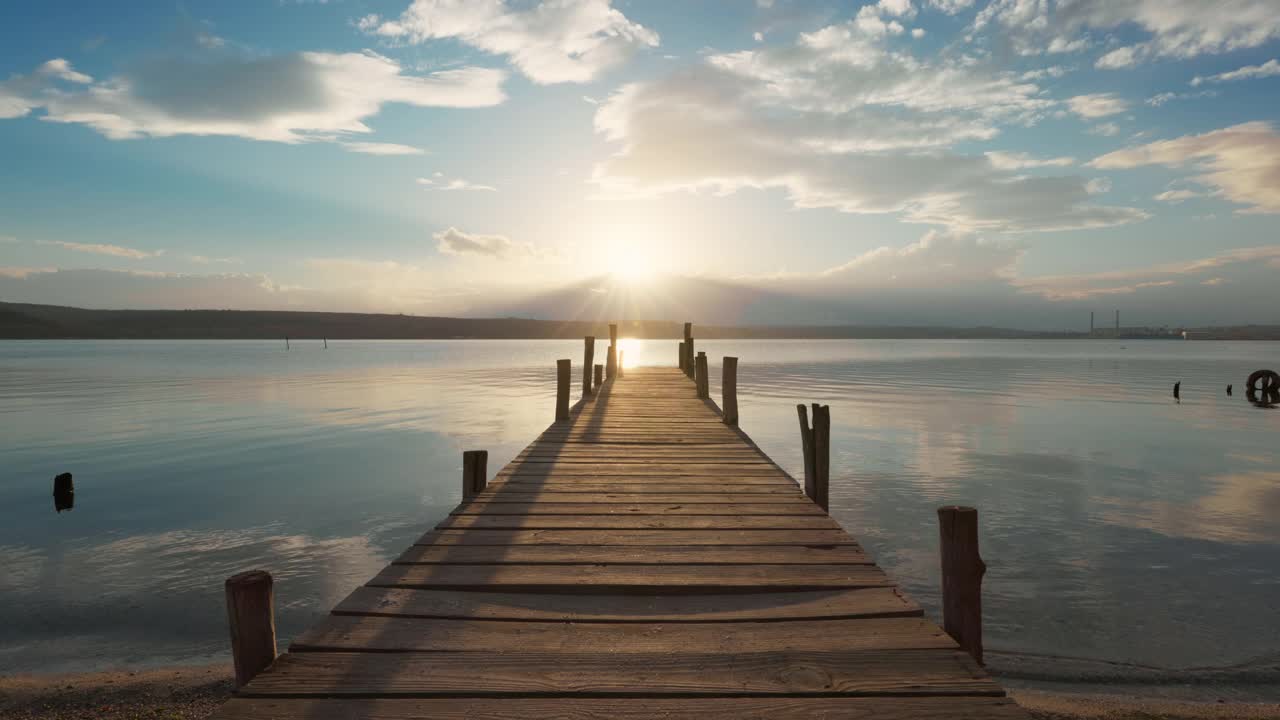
{"points": [[640, 560]]}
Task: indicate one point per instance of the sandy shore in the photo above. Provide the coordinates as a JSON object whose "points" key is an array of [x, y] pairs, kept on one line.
{"points": [[189, 693]]}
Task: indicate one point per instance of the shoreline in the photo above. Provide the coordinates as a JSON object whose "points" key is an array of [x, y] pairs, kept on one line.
{"points": [[193, 692]]}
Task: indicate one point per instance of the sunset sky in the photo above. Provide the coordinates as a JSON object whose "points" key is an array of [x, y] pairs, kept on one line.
{"points": [[425, 157]]}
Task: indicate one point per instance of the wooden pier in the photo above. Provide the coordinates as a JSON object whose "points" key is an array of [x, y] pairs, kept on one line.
{"points": [[640, 559]]}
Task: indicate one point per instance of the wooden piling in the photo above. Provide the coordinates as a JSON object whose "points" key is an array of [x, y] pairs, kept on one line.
{"points": [[475, 473], [962, 571], [690, 358], [563, 369], [588, 358], [599, 374], [729, 390], [700, 376], [688, 330], [64, 492], [251, 615], [611, 360], [680, 360], [621, 362], [816, 444]]}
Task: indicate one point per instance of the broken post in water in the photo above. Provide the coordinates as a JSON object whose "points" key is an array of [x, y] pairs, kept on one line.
{"points": [[962, 571]]}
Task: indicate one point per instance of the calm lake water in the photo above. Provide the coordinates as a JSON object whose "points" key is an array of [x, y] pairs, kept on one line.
{"points": [[1135, 535]]}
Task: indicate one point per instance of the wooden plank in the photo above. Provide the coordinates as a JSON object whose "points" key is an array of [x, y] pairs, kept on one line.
{"points": [[636, 537], [640, 486], [626, 578], [658, 496], [638, 522], [399, 635], [479, 674], [636, 555], [496, 507], [688, 468], [683, 708], [631, 607]]}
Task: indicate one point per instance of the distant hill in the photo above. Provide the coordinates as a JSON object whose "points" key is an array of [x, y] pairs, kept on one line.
{"points": [[19, 320], [25, 321]]}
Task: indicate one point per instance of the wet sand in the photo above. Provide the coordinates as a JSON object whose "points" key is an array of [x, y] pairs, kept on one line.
{"points": [[190, 693]]}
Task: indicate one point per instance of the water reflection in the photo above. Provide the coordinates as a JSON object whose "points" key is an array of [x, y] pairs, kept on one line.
{"points": [[1118, 525]]}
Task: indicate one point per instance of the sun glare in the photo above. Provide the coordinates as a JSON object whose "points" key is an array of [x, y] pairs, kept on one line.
{"points": [[629, 263]]}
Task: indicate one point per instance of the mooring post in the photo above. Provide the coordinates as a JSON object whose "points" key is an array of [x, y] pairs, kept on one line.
{"points": [[691, 364], [962, 571], [475, 473], [621, 362], [251, 615], [599, 374], [588, 357], [816, 443], [563, 369], [611, 360], [729, 390], [700, 376], [64, 492], [680, 360]]}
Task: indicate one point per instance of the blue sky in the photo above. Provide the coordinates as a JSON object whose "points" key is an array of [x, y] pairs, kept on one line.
{"points": [[1038, 157]]}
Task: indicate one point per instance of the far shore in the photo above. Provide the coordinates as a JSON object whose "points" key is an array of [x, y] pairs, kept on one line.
{"points": [[194, 692]]}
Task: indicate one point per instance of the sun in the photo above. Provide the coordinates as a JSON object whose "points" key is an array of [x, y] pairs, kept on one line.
{"points": [[629, 263]]}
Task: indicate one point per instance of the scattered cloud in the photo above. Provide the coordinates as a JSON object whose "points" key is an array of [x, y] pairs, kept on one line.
{"points": [[840, 121], [1127, 282], [439, 182], [1240, 163], [102, 249], [1169, 28], [373, 148], [299, 97], [456, 242], [552, 41], [1248, 72], [1106, 129], [1097, 105], [1021, 161], [1177, 196], [1166, 97], [206, 260]]}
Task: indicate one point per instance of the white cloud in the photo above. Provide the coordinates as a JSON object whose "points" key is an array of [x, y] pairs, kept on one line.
{"points": [[939, 258], [1107, 129], [206, 260], [373, 148], [1240, 163], [951, 7], [20, 94], [553, 41], [897, 8], [456, 242], [917, 33], [102, 249], [439, 183], [807, 120], [292, 98], [1097, 105], [757, 36], [1166, 97], [1248, 72], [1171, 28], [1019, 161], [1166, 275], [1177, 196]]}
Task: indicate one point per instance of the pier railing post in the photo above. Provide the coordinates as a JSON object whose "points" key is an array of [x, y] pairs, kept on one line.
{"points": [[700, 376], [475, 472], [691, 359], [563, 369], [962, 571], [599, 374], [611, 360], [729, 390], [816, 444], [251, 615], [680, 360], [588, 358]]}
